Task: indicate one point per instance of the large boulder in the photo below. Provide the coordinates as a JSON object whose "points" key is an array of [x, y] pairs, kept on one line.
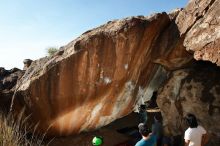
{"points": [[192, 90], [101, 76], [107, 72], [8, 80], [199, 23]]}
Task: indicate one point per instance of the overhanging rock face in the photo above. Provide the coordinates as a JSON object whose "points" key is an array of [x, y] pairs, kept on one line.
{"points": [[101, 76]]}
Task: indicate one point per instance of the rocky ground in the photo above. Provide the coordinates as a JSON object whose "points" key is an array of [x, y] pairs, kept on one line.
{"points": [[122, 132]]}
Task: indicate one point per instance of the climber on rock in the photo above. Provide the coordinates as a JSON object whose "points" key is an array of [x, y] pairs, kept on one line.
{"points": [[142, 110]]}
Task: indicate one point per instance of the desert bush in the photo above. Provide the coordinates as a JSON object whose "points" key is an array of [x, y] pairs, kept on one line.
{"points": [[15, 133], [51, 51]]}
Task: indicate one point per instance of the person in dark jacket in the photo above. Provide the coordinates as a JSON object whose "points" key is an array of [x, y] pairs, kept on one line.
{"points": [[157, 129], [148, 139], [142, 109]]}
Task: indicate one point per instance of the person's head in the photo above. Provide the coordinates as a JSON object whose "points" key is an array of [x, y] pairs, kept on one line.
{"points": [[157, 118], [142, 107], [144, 131], [97, 141], [191, 120]]}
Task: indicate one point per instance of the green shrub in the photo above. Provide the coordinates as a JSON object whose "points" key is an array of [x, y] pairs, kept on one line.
{"points": [[51, 51]]}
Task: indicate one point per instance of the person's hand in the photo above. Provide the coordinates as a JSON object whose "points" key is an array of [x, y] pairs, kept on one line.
{"points": [[187, 142], [205, 139]]}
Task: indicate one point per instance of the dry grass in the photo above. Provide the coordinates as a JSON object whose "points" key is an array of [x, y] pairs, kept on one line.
{"points": [[15, 133]]}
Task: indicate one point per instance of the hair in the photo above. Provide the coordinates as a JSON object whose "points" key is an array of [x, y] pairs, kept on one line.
{"points": [[158, 118], [143, 129], [191, 120], [142, 107]]}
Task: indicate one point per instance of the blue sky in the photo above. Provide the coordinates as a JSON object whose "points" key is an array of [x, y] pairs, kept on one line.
{"points": [[28, 27]]}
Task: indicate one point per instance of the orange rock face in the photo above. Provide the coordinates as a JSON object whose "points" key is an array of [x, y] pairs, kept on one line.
{"points": [[99, 77]]}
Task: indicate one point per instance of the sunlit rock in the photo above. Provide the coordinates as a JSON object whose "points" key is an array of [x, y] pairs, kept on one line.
{"points": [[101, 76], [199, 23]]}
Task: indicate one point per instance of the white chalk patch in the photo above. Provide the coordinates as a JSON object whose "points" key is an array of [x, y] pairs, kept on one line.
{"points": [[126, 66], [107, 80], [101, 74], [96, 110]]}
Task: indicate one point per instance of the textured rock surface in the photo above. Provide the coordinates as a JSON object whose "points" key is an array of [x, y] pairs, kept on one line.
{"points": [[27, 63], [172, 54], [8, 80], [101, 76], [199, 23], [192, 90]]}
